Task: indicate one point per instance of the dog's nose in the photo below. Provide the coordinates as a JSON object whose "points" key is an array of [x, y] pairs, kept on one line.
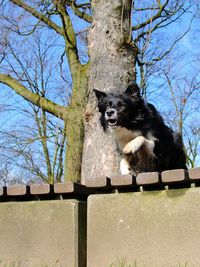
{"points": [[110, 112]]}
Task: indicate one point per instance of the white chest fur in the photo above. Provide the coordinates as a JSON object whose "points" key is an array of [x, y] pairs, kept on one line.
{"points": [[124, 136]]}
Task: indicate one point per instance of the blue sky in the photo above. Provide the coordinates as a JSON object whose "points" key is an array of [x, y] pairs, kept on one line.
{"points": [[58, 89]]}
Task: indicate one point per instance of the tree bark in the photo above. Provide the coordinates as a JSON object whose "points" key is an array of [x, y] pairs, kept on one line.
{"points": [[75, 126], [112, 67]]}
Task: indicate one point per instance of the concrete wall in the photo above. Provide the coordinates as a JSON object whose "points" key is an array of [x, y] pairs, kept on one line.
{"points": [[151, 229], [40, 233]]}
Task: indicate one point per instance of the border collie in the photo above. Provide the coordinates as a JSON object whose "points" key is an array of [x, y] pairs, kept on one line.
{"points": [[143, 139]]}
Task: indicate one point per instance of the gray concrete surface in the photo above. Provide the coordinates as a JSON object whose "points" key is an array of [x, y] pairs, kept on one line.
{"points": [[151, 229], [43, 233]]}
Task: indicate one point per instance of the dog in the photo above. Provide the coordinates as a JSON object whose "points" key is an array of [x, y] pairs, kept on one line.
{"points": [[144, 141]]}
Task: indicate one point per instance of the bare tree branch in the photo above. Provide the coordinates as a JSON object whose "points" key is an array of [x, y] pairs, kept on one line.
{"points": [[150, 20], [38, 15], [47, 105], [80, 14]]}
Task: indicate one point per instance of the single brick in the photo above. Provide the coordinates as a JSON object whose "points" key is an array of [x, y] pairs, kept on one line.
{"points": [[70, 187], [64, 187], [194, 173], [99, 181], [173, 176], [122, 180], [148, 178], [16, 190], [40, 189]]}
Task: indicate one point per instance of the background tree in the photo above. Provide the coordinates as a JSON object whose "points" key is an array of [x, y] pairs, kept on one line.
{"points": [[113, 63], [34, 141], [42, 17], [182, 113]]}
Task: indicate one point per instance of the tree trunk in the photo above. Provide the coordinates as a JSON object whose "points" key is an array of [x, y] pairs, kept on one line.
{"points": [[112, 66], [75, 126]]}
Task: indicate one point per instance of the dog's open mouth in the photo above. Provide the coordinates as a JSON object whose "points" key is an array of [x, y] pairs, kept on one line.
{"points": [[112, 122]]}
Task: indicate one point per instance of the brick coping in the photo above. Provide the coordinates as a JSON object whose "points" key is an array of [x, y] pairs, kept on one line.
{"points": [[122, 183]]}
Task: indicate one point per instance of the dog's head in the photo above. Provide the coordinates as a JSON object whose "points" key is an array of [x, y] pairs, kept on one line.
{"points": [[119, 109]]}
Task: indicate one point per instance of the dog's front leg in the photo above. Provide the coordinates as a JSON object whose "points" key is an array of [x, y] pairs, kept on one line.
{"points": [[134, 145], [125, 167]]}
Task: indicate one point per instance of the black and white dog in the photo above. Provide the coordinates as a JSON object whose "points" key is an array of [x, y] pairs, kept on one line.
{"points": [[146, 143]]}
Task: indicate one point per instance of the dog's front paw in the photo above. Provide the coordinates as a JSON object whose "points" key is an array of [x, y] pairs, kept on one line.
{"points": [[134, 145], [128, 149]]}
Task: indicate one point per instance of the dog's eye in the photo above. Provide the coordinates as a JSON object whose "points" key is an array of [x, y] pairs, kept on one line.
{"points": [[119, 104], [109, 104]]}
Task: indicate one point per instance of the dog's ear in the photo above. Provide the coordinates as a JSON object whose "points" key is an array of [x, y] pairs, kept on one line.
{"points": [[133, 90], [100, 95]]}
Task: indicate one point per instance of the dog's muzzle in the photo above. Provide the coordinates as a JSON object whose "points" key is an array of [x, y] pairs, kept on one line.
{"points": [[111, 117]]}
